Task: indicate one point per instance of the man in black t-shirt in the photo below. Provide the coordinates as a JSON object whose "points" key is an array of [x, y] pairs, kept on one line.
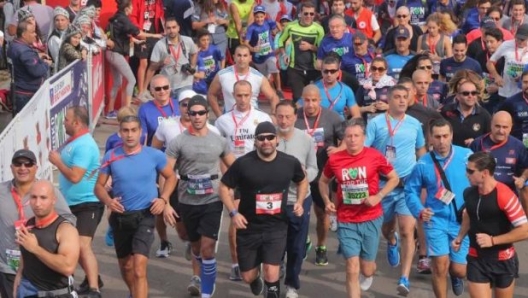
{"points": [[263, 177]]}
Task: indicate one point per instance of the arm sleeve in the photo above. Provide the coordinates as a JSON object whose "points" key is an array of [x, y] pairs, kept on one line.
{"points": [[420, 140], [374, 23], [320, 35], [442, 68], [321, 51], [159, 134], [225, 146], [327, 170], [158, 51], [413, 190], [142, 114]]}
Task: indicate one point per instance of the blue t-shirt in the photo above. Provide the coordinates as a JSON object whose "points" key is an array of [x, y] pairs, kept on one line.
{"points": [[341, 94], [151, 116], [396, 63], [82, 152], [136, 188], [261, 35], [208, 61], [114, 141], [448, 67], [511, 157], [418, 8], [343, 47], [438, 90], [406, 140], [518, 109]]}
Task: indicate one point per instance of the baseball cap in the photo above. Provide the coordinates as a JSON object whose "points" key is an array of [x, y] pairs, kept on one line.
{"points": [[265, 127], [24, 153], [285, 17], [186, 94], [402, 32], [522, 32], [487, 22], [259, 8], [197, 100]]}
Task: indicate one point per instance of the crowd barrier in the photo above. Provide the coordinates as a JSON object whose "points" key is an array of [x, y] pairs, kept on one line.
{"points": [[39, 127]]}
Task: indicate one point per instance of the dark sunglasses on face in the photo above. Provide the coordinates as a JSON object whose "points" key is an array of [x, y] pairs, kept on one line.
{"points": [[374, 68], [357, 44], [266, 137], [401, 16], [467, 93], [159, 88], [470, 171], [194, 113], [309, 14], [26, 164], [426, 67], [332, 71]]}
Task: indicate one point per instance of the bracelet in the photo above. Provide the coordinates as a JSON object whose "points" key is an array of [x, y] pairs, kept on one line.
{"points": [[164, 200], [232, 213]]}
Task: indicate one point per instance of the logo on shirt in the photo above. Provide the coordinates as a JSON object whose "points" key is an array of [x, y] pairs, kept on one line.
{"points": [[362, 25], [476, 127], [341, 50], [511, 152], [354, 173]]}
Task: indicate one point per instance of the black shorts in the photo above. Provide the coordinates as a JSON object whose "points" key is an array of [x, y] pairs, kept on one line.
{"points": [[144, 50], [88, 217], [202, 220], [173, 201], [133, 232], [316, 195], [255, 248], [499, 274]]}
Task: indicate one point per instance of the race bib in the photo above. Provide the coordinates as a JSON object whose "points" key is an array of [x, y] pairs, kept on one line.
{"points": [[525, 139], [445, 195], [13, 258], [147, 25], [318, 137], [199, 184], [354, 194], [390, 152], [514, 69], [265, 49], [269, 204]]}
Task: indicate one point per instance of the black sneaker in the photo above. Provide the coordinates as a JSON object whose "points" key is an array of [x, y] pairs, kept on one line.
{"points": [[93, 293], [84, 288], [321, 259], [257, 286]]}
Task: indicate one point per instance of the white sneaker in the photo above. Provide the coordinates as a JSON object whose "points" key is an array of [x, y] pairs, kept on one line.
{"points": [[291, 292], [365, 282], [333, 222], [164, 250]]}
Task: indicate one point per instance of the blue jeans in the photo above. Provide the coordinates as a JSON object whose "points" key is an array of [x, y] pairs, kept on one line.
{"points": [[21, 100], [296, 242]]}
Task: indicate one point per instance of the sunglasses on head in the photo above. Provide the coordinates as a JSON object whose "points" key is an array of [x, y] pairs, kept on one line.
{"points": [[425, 67], [159, 88], [470, 171], [332, 71], [380, 69], [467, 93], [26, 164], [401, 16], [266, 137], [194, 113], [309, 14]]}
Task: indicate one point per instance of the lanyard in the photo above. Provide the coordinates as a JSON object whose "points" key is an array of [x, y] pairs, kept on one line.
{"points": [[432, 44], [73, 138], [492, 147], [240, 123], [160, 108], [444, 167], [236, 75], [175, 55], [517, 54], [424, 100], [39, 224], [332, 101], [392, 132], [365, 66], [309, 130], [18, 203], [113, 158]]}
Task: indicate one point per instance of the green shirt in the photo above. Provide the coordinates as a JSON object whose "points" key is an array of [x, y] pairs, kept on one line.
{"points": [[313, 34]]}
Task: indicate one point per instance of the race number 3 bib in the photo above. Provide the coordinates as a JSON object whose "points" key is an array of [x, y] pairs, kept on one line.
{"points": [[199, 184], [269, 204], [354, 194], [13, 258]]}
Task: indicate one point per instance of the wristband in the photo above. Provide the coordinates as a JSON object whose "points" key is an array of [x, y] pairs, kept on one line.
{"points": [[232, 213], [164, 200]]}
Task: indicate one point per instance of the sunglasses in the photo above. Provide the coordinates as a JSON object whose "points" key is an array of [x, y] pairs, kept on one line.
{"points": [[309, 14], [184, 104], [402, 16], [194, 113], [159, 88], [26, 164], [426, 67], [266, 137], [470, 171], [357, 44], [380, 69], [467, 93], [332, 71], [496, 19]]}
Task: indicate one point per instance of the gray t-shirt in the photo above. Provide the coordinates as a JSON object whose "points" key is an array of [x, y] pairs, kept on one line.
{"points": [[197, 160], [182, 51]]}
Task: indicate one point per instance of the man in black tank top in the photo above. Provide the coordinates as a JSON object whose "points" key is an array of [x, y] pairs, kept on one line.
{"points": [[49, 246]]}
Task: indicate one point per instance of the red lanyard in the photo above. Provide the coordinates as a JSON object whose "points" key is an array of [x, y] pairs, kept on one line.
{"points": [[240, 123], [517, 54], [39, 224], [113, 158], [18, 203], [175, 55], [392, 132], [492, 147], [332, 101], [236, 75], [424, 100], [432, 44], [444, 167], [160, 108], [309, 130], [73, 138]]}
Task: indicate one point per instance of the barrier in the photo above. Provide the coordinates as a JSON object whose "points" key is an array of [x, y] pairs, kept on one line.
{"points": [[39, 127]]}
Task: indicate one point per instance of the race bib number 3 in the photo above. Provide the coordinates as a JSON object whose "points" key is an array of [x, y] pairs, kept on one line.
{"points": [[199, 185], [269, 204], [354, 194]]}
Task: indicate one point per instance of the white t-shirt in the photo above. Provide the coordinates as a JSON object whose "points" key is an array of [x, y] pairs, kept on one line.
{"points": [[242, 140], [227, 79], [513, 66], [172, 127]]}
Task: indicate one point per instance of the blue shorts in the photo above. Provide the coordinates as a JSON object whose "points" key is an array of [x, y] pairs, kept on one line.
{"points": [[439, 237], [360, 239], [394, 203]]}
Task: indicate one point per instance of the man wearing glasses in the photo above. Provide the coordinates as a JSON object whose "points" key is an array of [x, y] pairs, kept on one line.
{"points": [[442, 174], [14, 194], [195, 154], [263, 177], [398, 57], [362, 56], [419, 10]]}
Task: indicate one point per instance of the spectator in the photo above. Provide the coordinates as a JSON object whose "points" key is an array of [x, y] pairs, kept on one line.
{"points": [[182, 11], [212, 15], [43, 17], [30, 69], [27, 15], [210, 60], [61, 21], [241, 15], [71, 48], [73, 8]]}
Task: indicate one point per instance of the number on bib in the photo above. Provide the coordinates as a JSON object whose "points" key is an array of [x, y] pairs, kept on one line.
{"points": [[354, 194], [269, 204]]}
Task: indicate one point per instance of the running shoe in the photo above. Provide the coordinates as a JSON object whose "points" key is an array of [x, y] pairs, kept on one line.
{"points": [[257, 286], [109, 237], [393, 252], [84, 288], [308, 247], [321, 259], [424, 265], [235, 274], [164, 250], [111, 115], [365, 282], [93, 293], [403, 286], [194, 286], [291, 292], [457, 284]]}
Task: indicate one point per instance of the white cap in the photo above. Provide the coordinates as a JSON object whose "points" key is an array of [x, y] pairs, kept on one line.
{"points": [[186, 94], [1, 34]]}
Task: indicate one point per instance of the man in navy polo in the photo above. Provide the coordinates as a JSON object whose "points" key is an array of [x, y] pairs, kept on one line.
{"points": [[518, 109], [449, 66]]}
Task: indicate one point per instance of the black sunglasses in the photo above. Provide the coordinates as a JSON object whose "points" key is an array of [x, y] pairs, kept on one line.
{"points": [[332, 71], [159, 88], [401, 16], [426, 67], [194, 113], [380, 69], [266, 137], [357, 44], [26, 164], [470, 171], [309, 14], [467, 93]]}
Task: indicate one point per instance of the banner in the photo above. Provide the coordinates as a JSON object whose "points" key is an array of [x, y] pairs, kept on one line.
{"points": [[8, 142], [96, 77], [66, 89]]}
